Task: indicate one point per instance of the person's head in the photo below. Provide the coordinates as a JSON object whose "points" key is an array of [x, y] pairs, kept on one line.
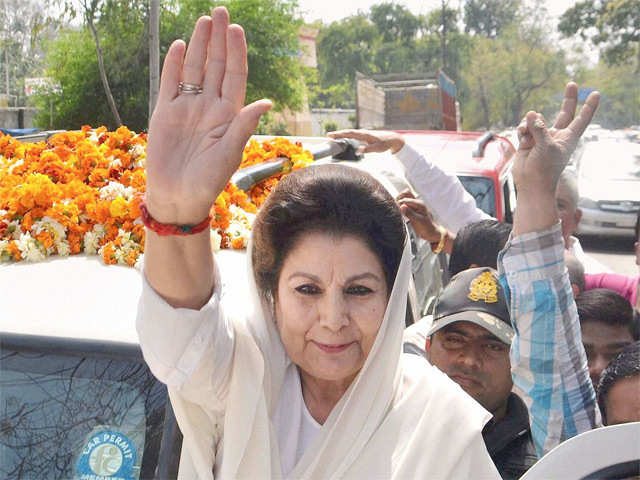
{"points": [[567, 197], [619, 388], [471, 336], [478, 245], [606, 322], [576, 273], [327, 244]]}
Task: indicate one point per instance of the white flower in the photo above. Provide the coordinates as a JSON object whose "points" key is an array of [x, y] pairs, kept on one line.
{"points": [[93, 137], [63, 248], [139, 262], [136, 150], [216, 240], [29, 249], [17, 164], [50, 225], [15, 228], [115, 189], [121, 254], [117, 163], [92, 239], [4, 250]]}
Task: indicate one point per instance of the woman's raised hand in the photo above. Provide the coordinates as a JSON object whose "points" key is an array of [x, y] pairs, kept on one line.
{"points": [[196, 137]]}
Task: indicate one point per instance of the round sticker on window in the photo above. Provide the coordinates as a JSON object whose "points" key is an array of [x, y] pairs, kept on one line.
{"points": [[107, 455]]}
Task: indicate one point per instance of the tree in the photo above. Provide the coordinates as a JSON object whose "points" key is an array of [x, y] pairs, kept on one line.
{"points": [[511, 74], [613, 25], [619, 86], [154, 53], [395, 22], [72, 62], [490, 18], [274, 68], [271, 29], [345, 47], [25, 26]]}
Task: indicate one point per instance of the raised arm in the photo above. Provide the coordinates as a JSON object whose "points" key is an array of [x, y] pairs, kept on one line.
{"points": [[195, 144], [442, 191], [548, 361]]}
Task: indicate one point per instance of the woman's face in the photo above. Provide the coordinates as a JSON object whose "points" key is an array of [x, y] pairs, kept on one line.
{"points": [[331, 299]]}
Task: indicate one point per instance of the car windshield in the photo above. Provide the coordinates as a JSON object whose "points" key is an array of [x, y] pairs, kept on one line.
{"points": [[76, 417], [482, 190], [611, 161]]}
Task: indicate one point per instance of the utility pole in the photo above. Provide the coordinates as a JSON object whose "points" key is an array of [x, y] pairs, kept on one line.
{"points": [[154, 53], [443, 39]]}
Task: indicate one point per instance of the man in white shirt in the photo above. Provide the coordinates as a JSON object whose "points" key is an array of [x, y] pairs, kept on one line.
{"points": [[453, 205]]}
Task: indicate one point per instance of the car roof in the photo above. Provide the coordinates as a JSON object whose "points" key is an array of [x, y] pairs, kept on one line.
{"points": [[588, 453], [80, 297], [454, 151]]}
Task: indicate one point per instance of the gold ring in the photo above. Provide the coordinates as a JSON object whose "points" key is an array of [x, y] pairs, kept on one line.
{"points": [[184, 87]]}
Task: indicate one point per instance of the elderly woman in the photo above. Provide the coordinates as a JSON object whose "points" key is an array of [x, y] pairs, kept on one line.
{"points": [[312, 384]]}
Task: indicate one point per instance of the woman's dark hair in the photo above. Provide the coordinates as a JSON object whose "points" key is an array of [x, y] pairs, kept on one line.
{"points": [[638, 226], [625, 365], [478, 244], [333, 199]]}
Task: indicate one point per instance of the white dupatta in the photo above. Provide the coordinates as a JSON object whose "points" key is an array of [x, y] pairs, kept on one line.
{"points": [[400, 418]]}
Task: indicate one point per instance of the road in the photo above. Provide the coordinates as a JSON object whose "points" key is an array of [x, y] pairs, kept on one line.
{"points": [[615, 253]]}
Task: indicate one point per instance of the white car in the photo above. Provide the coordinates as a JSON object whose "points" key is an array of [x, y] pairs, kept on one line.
{"points": [[76, 397], [609, 183]]}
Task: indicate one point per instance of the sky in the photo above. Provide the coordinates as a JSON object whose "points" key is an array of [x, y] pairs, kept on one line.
{"points": [[331, 10]]}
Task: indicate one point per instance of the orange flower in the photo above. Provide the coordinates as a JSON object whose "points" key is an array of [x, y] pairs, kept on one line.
{"points": [[61, 179]]}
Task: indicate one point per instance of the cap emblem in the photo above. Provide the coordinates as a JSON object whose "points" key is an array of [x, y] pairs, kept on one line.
{"points": [[484, 287]]}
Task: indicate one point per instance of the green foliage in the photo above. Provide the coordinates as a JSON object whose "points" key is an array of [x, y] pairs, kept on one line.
{"points": [[490, 18], [509, 75], [395, 22], [24, 27], [274, 67], [271, 29], [271, 124], [344, 48], [329, 126], [613, 25], [72, 62], [619, 86]]}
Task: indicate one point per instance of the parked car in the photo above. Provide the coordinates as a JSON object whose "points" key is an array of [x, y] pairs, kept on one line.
{"points": [[76, 397], [609, 183]]}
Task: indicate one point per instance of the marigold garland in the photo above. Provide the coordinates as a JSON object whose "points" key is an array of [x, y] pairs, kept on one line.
{"points": [[81, 190]]}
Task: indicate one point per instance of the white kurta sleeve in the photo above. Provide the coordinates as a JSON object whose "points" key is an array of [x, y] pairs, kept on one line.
{"points": [[177, 341], [442, 192]]}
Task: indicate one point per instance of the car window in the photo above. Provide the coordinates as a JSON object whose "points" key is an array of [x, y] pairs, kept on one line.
{"points": [[483, 191], [68, 416], [622, 161]]}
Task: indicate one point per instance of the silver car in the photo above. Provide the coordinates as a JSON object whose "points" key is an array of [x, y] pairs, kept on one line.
{"points": [[609, 183]]}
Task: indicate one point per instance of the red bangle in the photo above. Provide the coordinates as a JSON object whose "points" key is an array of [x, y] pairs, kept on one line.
{"points": [[166, 229]]}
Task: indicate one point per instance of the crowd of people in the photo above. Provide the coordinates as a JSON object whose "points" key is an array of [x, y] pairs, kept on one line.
{"points": [[528, 344]]}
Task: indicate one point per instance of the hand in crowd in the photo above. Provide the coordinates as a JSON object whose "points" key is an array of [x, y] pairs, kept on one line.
{"points": [[373, 140], [544, 152], [542, 155], [418, 214], [197, 133]]}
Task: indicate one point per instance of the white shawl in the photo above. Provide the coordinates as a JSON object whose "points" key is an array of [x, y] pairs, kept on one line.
{"points": [[400, 418]]}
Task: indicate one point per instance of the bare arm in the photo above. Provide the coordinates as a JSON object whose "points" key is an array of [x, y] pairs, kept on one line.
{"points": [[195, 144]]}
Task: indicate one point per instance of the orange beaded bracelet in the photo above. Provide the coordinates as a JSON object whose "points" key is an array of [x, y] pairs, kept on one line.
{"points": [[166, 229]]}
